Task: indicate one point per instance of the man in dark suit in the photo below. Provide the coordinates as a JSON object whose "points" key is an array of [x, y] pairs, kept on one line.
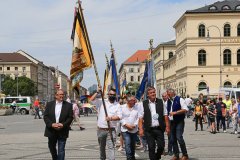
{"points": [[58, 117], [154, 120]]}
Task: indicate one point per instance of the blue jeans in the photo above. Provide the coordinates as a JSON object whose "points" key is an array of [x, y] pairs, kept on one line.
{"points": [[129, 141], [52, 141], [177, 129]]}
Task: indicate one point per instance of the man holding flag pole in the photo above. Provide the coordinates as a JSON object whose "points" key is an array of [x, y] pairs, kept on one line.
{"points": [[82, 58]]}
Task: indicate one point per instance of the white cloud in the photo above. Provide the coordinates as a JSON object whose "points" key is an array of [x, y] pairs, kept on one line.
{"points": [[43, 28]]}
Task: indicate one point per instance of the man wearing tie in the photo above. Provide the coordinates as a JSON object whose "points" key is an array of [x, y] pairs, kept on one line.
{"points": [[58, 117], [176, 109], [154, 120]]}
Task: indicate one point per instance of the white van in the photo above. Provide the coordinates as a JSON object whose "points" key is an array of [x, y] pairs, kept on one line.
{"points": [[24, 103], [232, 92]]}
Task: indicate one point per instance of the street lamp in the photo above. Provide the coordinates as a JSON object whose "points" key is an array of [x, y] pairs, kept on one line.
{"points": [[16, 76], [220, 51]]}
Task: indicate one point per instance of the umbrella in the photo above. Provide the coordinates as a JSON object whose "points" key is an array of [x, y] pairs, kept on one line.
{"points": [[87, 105], [83, 97]]}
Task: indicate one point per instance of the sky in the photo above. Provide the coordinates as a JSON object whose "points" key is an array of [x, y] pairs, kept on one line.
{"points": [[42, 28]]}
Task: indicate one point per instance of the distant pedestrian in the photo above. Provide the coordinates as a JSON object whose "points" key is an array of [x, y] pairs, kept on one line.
{"points": [[36, 108], [234, 116], [228, 103], [212, 116], [13, 106], [198, 110], [68, 99], [58, 117], [76, 114], [221, 114]]}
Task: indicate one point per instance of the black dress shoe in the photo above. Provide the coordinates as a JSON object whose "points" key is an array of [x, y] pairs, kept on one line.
{"points": [[81, 128]]}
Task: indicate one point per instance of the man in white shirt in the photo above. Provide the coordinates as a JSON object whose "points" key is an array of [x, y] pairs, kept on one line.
{"points": [[103, 133], [129, 128], [155, 118], [58, 117]]}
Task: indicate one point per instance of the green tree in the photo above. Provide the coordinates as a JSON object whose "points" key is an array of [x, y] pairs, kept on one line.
{"points": [[26, 86], [132, 87]]}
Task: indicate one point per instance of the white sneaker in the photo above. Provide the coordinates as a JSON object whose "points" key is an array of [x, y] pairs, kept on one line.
{"points": [[224, 131], [236, 132]]}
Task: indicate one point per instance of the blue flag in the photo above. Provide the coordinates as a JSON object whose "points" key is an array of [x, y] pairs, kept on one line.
{"points": [[142, 86], [113, 77], [151, 74]]}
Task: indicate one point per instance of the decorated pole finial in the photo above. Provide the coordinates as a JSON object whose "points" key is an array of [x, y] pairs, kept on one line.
{"points": [[112, 49], [113, 52], [151, 44]]}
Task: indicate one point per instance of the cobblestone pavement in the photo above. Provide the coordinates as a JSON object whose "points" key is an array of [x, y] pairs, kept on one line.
{"points": [[21, 137]]}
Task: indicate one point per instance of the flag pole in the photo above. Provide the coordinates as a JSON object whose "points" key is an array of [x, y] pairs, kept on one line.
{"points": [[115, 66], [151, 59], [95, 69]]}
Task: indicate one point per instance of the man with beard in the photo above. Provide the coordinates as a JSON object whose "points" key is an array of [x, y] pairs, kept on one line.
{"points": [[103, 133]]}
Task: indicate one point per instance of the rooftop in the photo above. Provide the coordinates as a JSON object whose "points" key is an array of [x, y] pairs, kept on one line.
{"points": [[139, 56], [13, 57], [219, 7]]}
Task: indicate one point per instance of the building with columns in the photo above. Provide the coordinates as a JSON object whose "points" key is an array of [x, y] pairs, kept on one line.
{"points": [[206, 54]]}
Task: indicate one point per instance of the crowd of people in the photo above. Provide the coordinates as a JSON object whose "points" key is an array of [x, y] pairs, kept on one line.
{"points": [[218, 114], [145, 122]]}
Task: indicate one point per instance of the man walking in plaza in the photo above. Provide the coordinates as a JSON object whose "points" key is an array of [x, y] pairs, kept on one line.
{"points": [[36, 108], [176, 109], [154, 116], [129, 127], [58, 117], [221, 110], [76, 114], [103, 133]]}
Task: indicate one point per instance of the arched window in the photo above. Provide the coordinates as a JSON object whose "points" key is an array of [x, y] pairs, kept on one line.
{"points": [[227, 30], [238, 57], [238, 85], [201, 86], [212, 8], [227, 57], [170, 55], [237, 7], [238, 30], [226, 7], [227, 84], [201, 31], [202, 58]]}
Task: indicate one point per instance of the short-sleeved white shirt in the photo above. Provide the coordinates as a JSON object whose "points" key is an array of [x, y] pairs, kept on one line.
{"points": [[113, 109]]}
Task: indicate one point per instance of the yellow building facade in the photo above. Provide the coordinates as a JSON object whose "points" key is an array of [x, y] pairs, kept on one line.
{"points": [[206, 53]]}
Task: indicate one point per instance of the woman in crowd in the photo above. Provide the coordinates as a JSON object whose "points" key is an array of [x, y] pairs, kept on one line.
{"points": [[198, 110]]}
